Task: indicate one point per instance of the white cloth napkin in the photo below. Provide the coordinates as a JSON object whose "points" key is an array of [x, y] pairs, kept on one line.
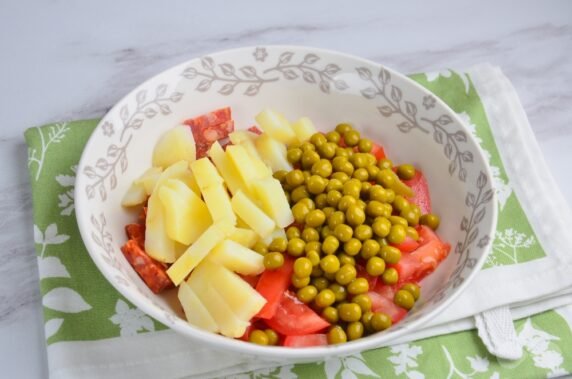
{"points": [[495, 297]]}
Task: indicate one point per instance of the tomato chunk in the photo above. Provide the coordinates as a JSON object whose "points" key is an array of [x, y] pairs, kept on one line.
{"points": [[419, 185], [378, 151], [294, 318], [306, 341], [384, 303], [272, 285], [407, 246], [362, 273], [421, 262], [426, 234], [251, 279], [152, 272]]}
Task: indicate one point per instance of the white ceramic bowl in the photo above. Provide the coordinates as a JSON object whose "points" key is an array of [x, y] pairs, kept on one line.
{"points": [[329, 88]]}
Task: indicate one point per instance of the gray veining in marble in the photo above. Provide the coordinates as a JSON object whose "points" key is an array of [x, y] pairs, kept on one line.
{"points": [[64, 61]]}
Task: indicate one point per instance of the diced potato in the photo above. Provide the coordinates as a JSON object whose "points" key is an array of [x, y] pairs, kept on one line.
{"points": [[218, 203], [149, 179], [245, 237], [195, 254], [244, 301], [273, 153], [227, 170], [257, 161], [189, 179], [228, 323], [239, 136], [276, 233], [273, 200], [195, 311], [177, 170], [186, 215], [175, 145], [253, 216], [304, 128], [205, 173], [244, 165], [157, 244], [276, 125], [238, 258], [135, 195]]}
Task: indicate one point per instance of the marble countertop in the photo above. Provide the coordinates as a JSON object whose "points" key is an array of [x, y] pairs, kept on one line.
{"points": [[64, 61]]}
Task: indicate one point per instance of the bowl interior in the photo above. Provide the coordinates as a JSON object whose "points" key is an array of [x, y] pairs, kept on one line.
{"points": [[329, 88]]}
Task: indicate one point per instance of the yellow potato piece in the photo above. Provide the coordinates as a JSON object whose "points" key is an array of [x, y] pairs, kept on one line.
{"points": [[239, 136], [195, 254], [276, 125], [178, 170], [175, 145], [149, 179], [157, 244], [271, 196], [253, 216], [195, 311], [237, 258], [304, 128], [273, 153], [244, 236], [186, 215], [227, 171], [228, 323], [246, 167], [189, 179], [218, 203], [206, 173], [135, 195]]}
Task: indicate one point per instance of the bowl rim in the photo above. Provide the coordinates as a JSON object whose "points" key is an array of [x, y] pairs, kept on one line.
{"points": [[280, 352]]}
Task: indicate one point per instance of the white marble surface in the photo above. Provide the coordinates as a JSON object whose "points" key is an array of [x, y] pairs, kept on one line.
{"points": [[63, 60]]}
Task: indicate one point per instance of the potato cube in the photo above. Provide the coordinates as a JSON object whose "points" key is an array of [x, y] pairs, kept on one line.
{"points": [[157, 243], [227, 171], [253, 216], [175, 145], [218, 203], [135, 195], [237, 258], [245, 237], [273, 153], [304, 129], [244, 165], [276, 125], [149, 179], [274, 202], [195, 311], [205, 173]]}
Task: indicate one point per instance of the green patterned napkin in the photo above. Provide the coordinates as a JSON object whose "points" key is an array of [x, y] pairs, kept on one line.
{"points": [[88, 324]]}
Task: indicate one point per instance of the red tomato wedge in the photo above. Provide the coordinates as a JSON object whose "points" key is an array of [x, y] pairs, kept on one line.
{"points": [[419, 185], [407, 246], [251, 279], [294, 318], [272, 285], [385, 304], [254, 129], [421, 262], [426, 234], [306, 341], [362, 273], [377, 151], [246, 334]]}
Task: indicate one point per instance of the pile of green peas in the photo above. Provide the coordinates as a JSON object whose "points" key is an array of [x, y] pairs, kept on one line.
{"points": [[348, 207]]}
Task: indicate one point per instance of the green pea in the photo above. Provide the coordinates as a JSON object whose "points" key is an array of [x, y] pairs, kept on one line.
{"points": [[385, 163], [397, 220], [325, 298], [381, 227], [299, 193], [374, 208], [346, 274], [337, 335], [358, 286], [365, 188], [333, 136], [345, 202], [330, 264], [293, 232], [352, 247], [405, 171], [260, 248], [400, 203], [361, 174], [258, 337], [272, 337], [326, 231], [303, 267], [364, 302], [380, 321], [315, 218], [310, 234], [352, 188], [413, 289], [390, 254], [431, 220], [307, 294], [346, 259], [390, 276], [322, 168], [363, 232], [412, 233], [296, 247], [316, 184], [375, 266], [309, 157], [314, 257], [334, 197], [343, 232], [330, 314], [313, 245], [410, 215], [318, 139], [349, 312], [404, 299], [273, 261], [339, 291], [278, 244], [299, 282], [359, 160], [317, 272], [385, 178], [341, 176], [334, 185], [397, 234], [355, 215], [370, 248], [365, 145], [344, 127], [366, 320], [337, 218], [372, 170], [328, 150], [342, 152], [330, 245], [280, 175], [294, 155], [354, 330], [307, 146], [320, 283], [351, 138], [308, 202]]}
